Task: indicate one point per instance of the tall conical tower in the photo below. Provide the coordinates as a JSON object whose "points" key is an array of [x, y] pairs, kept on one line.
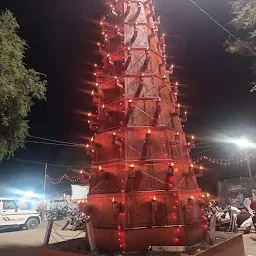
{"points": [[143, 188]]}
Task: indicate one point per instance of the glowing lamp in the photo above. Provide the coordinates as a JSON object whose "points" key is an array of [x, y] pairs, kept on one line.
{"points": [[100, 168], [177, 137], [243, 142], [170, 171], [184, 116], [81, 171], [154, 209], [148, 134], [130, 103], [208, 195], [131, 167], [113, 200], [175, 240], [114, 138], [204, 226]]}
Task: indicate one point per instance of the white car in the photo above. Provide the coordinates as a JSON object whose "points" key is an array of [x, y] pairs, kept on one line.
{"points": [[12, 216]]}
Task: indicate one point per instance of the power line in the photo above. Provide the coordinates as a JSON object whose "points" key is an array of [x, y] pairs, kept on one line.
{"points": [[56, 144], [215, 21], [64, 144], [41, 163], [204, 151], [52, 140], [206, 146]]}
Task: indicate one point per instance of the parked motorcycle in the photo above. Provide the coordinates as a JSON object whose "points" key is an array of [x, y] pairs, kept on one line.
{"points": [[58, 213], [77, 220]]}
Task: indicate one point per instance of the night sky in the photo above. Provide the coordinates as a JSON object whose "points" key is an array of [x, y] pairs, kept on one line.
{"points": [[214, 84]]}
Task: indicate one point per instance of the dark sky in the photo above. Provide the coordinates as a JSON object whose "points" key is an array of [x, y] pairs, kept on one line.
{"points": [[215, 85]]}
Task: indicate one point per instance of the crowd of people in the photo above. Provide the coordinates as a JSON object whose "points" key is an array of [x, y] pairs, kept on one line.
{"points": [[241, 215]]}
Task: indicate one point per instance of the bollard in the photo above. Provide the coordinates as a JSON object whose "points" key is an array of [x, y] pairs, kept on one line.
{"points": [[48, 232]]}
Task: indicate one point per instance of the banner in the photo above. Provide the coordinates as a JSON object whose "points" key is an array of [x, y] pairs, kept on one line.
{"points": [[79, 192]]}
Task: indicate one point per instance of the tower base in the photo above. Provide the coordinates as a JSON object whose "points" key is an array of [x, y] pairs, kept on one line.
{"points": [[233, 246], [139, 239]]}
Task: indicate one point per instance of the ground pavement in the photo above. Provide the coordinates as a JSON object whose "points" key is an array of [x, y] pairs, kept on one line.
{"points": [[28, 242]]}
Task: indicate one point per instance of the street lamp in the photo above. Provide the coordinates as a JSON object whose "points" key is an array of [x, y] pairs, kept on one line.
{"points": [[243, 142]]}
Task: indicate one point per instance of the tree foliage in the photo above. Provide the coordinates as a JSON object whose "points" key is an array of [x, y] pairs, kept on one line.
{"points": [[19, 87], [244, 20]]}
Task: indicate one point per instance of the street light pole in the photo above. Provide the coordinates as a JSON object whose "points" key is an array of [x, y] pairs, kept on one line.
{"points": [[45, 173], [244, 143], [250, 172]]}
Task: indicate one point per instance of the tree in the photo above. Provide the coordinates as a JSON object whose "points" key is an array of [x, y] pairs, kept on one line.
{"points": [[20, 86], [244, 20]]}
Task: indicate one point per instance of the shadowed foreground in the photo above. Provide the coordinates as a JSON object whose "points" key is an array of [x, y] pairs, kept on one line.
{"points": [[33, 251]]}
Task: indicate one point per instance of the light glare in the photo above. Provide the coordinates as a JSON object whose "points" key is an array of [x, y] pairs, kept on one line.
{"points": [[242, 142]]}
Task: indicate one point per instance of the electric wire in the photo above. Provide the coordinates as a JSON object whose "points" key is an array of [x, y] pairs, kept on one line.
{"points": [[43, 163], [52, 140], [204, 151], [56, 144], [221, 26]]}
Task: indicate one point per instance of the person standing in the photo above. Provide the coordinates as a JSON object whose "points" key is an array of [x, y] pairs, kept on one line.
{"points": [[253, 207], [247, 204], [41, 209]]}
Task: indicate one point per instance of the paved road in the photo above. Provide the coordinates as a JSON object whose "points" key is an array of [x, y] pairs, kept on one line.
{"points": [[250, 244], [36, 237], [28, 242]]}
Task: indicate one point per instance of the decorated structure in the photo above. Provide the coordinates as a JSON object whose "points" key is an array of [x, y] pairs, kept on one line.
{"points": [[143, 188]]}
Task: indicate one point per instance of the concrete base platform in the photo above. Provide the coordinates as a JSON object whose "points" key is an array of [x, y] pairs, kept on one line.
{"points": [[233, 246], [139, 239]]}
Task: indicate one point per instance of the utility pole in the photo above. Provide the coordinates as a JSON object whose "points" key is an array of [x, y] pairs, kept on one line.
{"points": [[250, 173], [45, 173]]}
